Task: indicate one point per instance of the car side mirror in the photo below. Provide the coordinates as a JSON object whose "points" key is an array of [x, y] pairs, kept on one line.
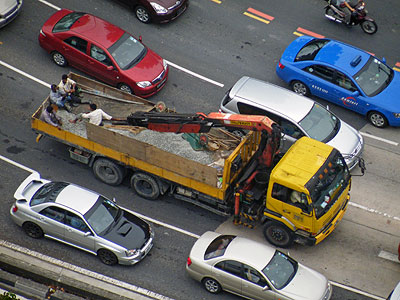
{"points": [[114, 200], [110, 68], [384, 60], [140, 38], [88, 233], [327, 107], [356, 94]]}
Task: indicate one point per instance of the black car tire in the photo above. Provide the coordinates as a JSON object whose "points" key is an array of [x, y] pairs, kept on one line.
{"points": [[145, 186], [142, 14], [125, 88], [211, 285], [59, 59], [32, 230], [377, 119], [300, 88], [369, 27], [278, 235], [107, 257], [108, 171]]}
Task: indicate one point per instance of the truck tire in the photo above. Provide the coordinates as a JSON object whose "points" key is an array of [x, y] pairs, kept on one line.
{"points": [[145, 186], [278, 235], [108, 171]]}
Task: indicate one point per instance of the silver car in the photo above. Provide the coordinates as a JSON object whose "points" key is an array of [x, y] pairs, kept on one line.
{"points": [[9, 10], [297, 115], [252, 270], [395, 294], [81, 218]]}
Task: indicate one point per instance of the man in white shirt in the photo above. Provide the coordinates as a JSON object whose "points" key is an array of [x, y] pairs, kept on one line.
{"points": [[95, 116]]}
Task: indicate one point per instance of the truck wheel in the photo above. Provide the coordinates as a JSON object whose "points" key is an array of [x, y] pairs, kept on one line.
{"points": [[278, 234], [145, 186], [107, 171]]}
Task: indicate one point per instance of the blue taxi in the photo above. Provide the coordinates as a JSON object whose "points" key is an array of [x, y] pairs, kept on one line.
{"points": [[344, 75]]}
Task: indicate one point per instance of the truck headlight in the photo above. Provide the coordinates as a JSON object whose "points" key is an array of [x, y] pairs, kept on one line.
{"points": [[396, 115], [143, 84], [158, 8], [132, 252]]}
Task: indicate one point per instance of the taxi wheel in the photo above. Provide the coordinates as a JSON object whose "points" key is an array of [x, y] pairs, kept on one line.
{"points": [[300, 88], [211, 285], [377, 119], [278, 235]]}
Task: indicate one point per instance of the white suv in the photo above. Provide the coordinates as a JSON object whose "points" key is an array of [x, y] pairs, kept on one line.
{"points": [[297, 115]]}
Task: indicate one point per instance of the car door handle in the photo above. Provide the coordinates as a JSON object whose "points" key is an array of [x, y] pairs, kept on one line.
{"points": [[69, 229], [90, 62]]}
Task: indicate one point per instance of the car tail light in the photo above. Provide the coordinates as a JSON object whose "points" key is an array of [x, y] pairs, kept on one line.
{"points": [[189, 262], [15, 208], [281, 66]]}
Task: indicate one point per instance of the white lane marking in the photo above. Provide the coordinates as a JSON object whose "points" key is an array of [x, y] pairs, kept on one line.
{"points": [[389, 256], [195, 74], [374, 211], [65, 265], [49, 4], [168, 62], [349, 288], [24, 74], [183, 231], [16, 164], [379, 138]]}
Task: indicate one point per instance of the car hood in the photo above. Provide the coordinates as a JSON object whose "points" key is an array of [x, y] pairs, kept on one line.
{"points": [[130, 232], [291, 51], [389, 98], [347, 141], [307, 284], [6, 5], [148, 68]]}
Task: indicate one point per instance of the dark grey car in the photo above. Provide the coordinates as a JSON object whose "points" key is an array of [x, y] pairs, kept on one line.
{"points": [[81, 218]]}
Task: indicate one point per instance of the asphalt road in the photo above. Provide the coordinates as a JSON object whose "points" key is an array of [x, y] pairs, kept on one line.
{"points": [[220, 43]]}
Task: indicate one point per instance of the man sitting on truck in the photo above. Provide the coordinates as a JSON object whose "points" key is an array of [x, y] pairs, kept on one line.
{"points": [[95, 116], [50, 117]]}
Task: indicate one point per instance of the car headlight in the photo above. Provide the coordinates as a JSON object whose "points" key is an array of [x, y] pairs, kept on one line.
{"points": [[158, 8], [396, 115], [165, 64], [132, 252], [143, 84]]}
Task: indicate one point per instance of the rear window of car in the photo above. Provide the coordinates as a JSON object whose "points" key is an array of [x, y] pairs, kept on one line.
{"points": [[218, 246], [310, 50], [48, 193], [67, 21]]}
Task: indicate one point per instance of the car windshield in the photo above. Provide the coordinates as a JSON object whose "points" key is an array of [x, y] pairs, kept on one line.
{"points": [[127, 51], [329, 183], [103, 215], [310, 50], [48, 193], [374, 77], [280, 270], [67, 21], [320, 124]]}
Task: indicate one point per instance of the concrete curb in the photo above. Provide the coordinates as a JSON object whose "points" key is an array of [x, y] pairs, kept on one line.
{"points": [[90, 285]]}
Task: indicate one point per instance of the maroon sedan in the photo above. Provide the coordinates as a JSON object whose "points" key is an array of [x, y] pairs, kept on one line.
{"points": [[104, 51], [158, 11]]}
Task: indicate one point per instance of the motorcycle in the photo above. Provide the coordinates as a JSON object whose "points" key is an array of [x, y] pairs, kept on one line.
{"points": [[359, 16]]}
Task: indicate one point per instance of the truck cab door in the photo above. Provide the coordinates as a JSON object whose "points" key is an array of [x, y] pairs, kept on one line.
{"points": [[295, 206]]}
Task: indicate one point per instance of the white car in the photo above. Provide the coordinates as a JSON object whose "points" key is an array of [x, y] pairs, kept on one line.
{"points": [[252, 270], [298, 116]]}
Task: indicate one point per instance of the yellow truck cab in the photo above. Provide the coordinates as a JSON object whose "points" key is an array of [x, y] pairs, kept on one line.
{"points": [[306, 197]]}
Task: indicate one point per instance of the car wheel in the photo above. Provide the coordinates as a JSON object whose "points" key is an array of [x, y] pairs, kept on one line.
{"points": [[107, 257], [59, 59], [211, 285], [300, 88], [108, 171], [125, 88], [377, 119], [33, 230], [278, 234], [142, 14], [145, 186]]}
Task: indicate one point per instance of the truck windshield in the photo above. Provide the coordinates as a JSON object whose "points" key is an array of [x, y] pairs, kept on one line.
{"points": [[328, 184]]}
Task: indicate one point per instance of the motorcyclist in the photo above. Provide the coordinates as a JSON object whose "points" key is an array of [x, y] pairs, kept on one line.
{"points": [[347, 9]]}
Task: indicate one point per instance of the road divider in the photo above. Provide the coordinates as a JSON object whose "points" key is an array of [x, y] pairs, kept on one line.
{"points": [[258, 15]]}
